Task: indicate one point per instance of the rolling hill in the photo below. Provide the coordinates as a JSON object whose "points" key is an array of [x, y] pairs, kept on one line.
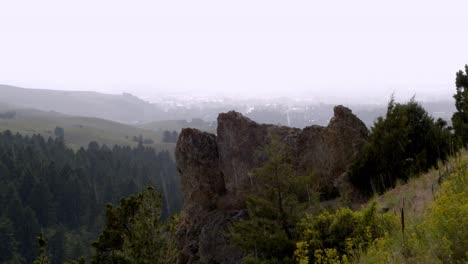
{"points": [[124, 108], [79, 131]]}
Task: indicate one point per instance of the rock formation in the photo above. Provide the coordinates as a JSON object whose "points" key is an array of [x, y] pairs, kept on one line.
{"points": [[214, 172]]}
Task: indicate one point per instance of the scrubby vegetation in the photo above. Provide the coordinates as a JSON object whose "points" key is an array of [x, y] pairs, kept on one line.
{"points": [[286, 224], [340, 236], [373, 234], [440, 236]]}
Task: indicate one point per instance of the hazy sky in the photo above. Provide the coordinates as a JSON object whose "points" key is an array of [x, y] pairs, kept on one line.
{"points": [[319, 48]]}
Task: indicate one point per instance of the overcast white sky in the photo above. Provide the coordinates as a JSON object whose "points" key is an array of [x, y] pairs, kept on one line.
{"points": [[319, 48]]}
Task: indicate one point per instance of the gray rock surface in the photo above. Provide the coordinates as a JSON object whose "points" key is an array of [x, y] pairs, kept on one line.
{"points": [[215, 177]]}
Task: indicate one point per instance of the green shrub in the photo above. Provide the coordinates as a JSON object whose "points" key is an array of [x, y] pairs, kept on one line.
{"points": [[446, 221], [338, 237]]}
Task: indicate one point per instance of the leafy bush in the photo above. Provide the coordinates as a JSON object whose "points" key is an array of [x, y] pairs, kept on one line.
{"points": [[340, 236], [446, 221]]}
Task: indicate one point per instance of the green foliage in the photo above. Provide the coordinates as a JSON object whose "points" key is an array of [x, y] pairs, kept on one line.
{"points": [[44, 186], [447, 219], [404, 143], [337, 237], [460, 117], [79, 261], [268, 235], [277, 231], [134, 232], [440, 237], [8, 245], [79, 130], [43, 257]]}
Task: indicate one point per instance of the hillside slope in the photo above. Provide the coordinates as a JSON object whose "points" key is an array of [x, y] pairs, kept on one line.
{"points": [[79, 131], [418, 192], [123, 108], [432, 216]]}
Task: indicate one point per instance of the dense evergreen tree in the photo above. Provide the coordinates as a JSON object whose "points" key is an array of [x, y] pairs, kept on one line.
{"points": [[134, 232], [46, 186], [43, 257], [460, 117], [405, 142], [8, 245], [57, 245]]}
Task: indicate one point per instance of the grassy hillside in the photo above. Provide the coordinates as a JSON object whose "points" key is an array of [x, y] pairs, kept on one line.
{"points": [[79, 131], [436, 219], [422, 221], [415, 195], [5, 106]]}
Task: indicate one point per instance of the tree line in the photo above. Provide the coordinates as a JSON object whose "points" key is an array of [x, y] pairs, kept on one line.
{"points": [[45, 186]]}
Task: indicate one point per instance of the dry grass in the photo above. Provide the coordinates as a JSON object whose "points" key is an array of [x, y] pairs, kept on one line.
{"points": [[415, 194]]}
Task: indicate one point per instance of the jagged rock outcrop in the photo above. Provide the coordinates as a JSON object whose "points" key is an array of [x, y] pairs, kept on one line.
{"points": [[215, 178]]}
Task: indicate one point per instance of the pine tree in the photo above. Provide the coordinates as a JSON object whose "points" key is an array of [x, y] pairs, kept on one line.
{"points": [[134, 232], [267, 236], [43, 257], [405, 142], [460, 117], [43, 184], [8, 243]]}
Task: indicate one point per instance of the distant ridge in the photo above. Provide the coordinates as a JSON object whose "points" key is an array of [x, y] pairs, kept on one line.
{"points": [[129, 109], [124, 108]]}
